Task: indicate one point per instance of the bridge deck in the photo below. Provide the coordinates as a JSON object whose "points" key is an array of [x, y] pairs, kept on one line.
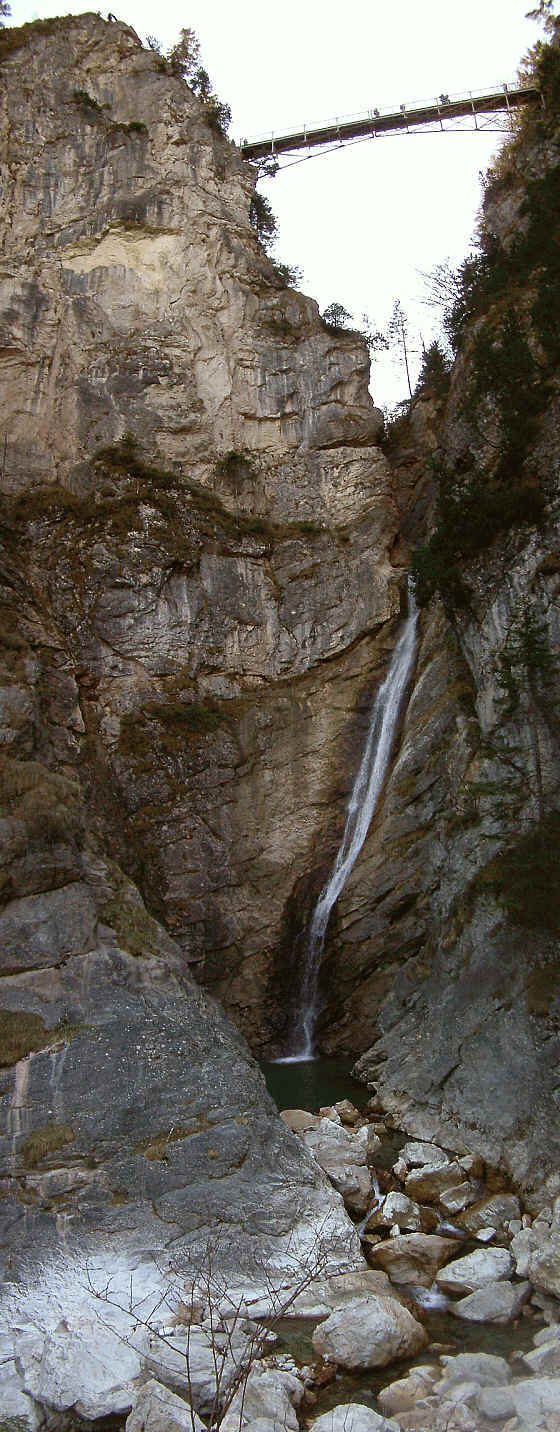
{"points": [[391, 122]]}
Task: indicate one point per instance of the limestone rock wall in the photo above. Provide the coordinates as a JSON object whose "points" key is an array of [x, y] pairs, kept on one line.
{"points": [[445, 943], [193, 498]]}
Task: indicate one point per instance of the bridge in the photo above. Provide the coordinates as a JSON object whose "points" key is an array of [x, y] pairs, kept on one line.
{"points": [[442, 114]]}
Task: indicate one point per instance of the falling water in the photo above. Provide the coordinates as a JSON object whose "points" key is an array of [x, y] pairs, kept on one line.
{"points": [[367, 787]]}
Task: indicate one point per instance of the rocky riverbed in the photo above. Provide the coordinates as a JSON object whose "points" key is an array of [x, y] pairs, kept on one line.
{"points": [[450, 1323]]}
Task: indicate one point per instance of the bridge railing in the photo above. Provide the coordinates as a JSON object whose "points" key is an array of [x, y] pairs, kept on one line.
{"points": [[387, 120]]}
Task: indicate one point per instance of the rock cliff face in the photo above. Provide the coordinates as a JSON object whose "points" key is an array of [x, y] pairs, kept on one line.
{"points": [[447, 932], [189, 462], [189, 457], [202, 549]]}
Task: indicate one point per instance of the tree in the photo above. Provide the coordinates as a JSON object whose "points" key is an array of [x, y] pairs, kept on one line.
{"points": [[5, 9], [184, 61], [543, 13], [184, 57], [337, 316], [397, 333], [263, 220], [526, 671], [434, 370]]}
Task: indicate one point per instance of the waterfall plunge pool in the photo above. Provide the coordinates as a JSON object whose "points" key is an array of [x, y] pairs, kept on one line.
{"points": [[311, 1084]]}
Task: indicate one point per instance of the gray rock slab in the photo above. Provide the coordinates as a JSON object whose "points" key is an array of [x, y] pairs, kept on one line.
{"points": [[85, 1366], [485, 1265], [15, 1404], [495, 1303], [45, 929]]}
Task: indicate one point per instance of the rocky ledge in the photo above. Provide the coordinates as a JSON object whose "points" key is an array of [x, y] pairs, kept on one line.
{"points": [[206, 1349]]}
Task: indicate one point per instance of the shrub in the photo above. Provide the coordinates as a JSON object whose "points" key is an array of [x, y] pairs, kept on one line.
{"points": [[81, 96], [471, 510], [524, 878], [290, 275]]}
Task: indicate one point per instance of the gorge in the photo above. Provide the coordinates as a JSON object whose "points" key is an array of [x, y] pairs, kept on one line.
{"points": [[206, 537]]}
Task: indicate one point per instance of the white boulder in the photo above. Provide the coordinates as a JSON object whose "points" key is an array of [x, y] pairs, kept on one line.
{"points": [[496, 1303], [157, 1409], [369, 1332], [467, 1275], [269, 1395], [352, 1417]]}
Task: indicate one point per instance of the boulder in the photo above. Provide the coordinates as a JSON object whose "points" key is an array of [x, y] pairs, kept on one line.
{"points": [[544, 1261], [270, 1395], [544, 1358], [369, 1332], [352, 1417], [456, 1198], [401, 1395], [430, 1181], [496, 1403], [344, 1288], [523, 1245], [190, 1361], [157, 1409], [534, 1399], [343, 1157], [85, 1366], [347, 1111], [413, 1257], [485, 1265], [495, 1303], [493, 1212], [481, 1367], [16, 1406], [415, 1153], [397, 1208], [431, 1415], [298, 1120]]}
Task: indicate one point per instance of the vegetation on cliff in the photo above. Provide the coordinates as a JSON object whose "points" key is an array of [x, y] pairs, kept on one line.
{"points": [[503, 323]]}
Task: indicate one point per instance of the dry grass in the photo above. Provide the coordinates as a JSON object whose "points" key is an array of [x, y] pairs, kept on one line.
{"points": [[20, 1034], [42, 1142]]}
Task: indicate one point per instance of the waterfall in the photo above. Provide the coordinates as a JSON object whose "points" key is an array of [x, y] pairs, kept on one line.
{"points": [[384, 719]]}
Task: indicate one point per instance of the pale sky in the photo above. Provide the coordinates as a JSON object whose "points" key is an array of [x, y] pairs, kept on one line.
{"points": [[360, 221]]}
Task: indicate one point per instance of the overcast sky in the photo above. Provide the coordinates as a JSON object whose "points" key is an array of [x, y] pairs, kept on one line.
{"points": [[360, 221]]}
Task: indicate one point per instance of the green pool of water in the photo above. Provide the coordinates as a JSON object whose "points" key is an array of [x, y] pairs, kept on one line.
{"points": [[449, 1333], [309, 1084]]}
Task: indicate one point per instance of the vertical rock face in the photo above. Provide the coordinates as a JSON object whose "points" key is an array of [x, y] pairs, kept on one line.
{"points": [[447, 933], [190, 459], [202, 548]]}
